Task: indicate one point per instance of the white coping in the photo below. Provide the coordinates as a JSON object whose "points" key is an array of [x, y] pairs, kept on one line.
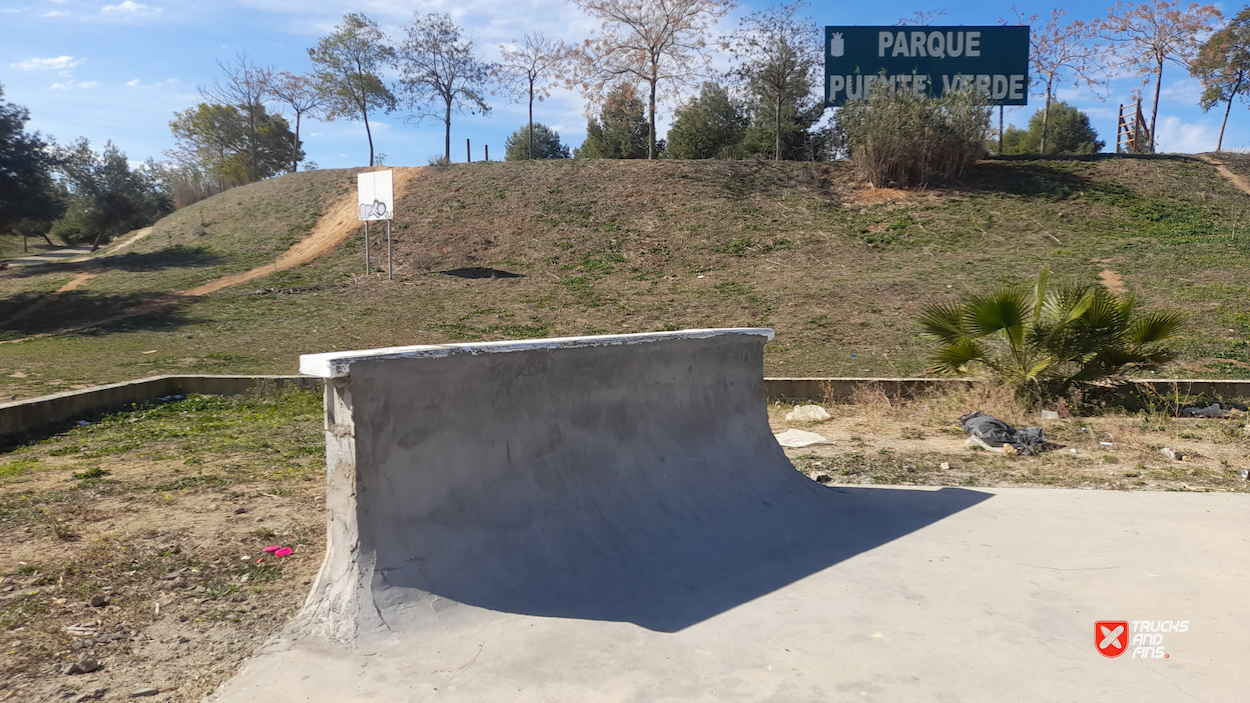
{"points": [[338, 364]]}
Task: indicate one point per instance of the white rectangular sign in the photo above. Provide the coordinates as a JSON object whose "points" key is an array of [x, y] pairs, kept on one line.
{"points": [[375, 194]]}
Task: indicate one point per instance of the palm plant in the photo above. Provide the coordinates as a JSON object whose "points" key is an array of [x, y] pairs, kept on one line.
{"points": [[1048, 341]]}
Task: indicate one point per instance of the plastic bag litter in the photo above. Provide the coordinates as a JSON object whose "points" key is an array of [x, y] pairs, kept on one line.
{"points": [[1215, 410], [994, 433], [798, 438], [808, 413]]}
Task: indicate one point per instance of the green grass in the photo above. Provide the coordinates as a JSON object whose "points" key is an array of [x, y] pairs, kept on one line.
{"points": [[604, 247]]}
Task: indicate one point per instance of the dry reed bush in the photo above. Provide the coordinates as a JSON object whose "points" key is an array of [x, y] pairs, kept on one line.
{"points": [[940, 407], [902, 138]]}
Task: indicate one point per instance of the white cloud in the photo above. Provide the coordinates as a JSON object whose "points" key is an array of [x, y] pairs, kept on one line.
{"points": [[9, 11], [130, 7], [59, 63], [133, 84], [70, 85], [55, 13], [1185, 90], [1175, 136]]}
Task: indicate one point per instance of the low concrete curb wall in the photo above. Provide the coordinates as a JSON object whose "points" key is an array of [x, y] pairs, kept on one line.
{"points": [[838, 389], [26, 415]]}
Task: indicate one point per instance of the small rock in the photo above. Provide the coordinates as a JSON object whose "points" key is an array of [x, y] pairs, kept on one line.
{"points": [[240, 510], [182, 618], [99, 601], [182, 639], [945, 466], [1050, 415], [82, 666], [821, 477], [808, 413], [141, 692], [178, 582], [200, 589], [260, 519]]}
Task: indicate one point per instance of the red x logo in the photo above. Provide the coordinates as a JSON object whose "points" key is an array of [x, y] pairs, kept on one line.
{"points": [[1111, 637]]}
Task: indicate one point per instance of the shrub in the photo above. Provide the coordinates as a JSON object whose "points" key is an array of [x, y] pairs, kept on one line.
{"points": [[903, 138], [1048, 342]]}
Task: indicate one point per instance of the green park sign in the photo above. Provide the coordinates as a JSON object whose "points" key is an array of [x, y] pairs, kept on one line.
{"points": [[994, 61]]}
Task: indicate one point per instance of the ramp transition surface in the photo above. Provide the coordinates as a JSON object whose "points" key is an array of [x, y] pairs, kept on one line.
{"points": [[610, 519]]}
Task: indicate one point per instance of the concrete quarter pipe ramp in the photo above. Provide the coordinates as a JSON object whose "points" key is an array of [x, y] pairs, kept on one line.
{"points": [[610, 519]]}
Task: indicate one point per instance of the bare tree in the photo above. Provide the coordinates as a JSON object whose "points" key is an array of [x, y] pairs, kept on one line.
{"points": [[1060, 52], [1223, 66], [779, 55], [1146, 35], [348, 65], [662, 43], [302, 95], [920, 18], [441, 73], [247, 86], [524, 71]]}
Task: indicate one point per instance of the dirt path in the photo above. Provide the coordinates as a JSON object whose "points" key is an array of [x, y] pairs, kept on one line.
{"points": [[1240, 181], [331, 230]]}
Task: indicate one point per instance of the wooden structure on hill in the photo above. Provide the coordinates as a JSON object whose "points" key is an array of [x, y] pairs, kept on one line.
{"points": [[1132, 135]]}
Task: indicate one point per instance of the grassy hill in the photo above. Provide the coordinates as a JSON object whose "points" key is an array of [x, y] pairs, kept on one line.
{"points": [[505, 250]]}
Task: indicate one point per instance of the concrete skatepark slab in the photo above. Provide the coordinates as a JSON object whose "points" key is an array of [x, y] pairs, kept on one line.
{"points": [[610, 519]]}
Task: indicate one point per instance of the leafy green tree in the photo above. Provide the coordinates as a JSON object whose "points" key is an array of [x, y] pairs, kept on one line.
{"points": [[1223, 66], [779, 61], [234, 146], [544, 143], [1069, 132], [347, 66], [799, 136], [621, 131], [442, 73], [709, 127], [105, 196], [1047, 341], [28, 197], [246, 87]]}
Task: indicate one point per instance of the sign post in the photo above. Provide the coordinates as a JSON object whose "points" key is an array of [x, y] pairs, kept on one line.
{"points": [[993, 61], [375, 196]]}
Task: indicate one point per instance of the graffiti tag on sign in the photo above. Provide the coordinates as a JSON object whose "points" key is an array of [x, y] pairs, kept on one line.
{"points": [[373, 211]]}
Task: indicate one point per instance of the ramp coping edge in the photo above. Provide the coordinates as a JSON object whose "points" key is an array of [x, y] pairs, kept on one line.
{"points": [[338, 364]]}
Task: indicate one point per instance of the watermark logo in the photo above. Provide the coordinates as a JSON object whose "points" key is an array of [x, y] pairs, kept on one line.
{"points": [[1144, 638], [1111, 637]]}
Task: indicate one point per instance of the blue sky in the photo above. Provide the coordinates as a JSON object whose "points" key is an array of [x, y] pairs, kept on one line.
{"points": [[119, 69]]}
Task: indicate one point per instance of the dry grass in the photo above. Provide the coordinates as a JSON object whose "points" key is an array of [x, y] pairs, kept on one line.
{"points": [[142, 509], [877, 439]]}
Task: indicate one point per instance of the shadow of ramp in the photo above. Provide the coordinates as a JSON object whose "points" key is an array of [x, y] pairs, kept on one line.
{"points": [[701, 568]]}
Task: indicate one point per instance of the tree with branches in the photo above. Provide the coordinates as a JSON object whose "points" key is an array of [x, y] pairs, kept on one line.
{"points": [[246, 87], [524, 70], [1144, 36], [441, 73], [1223, 66], [662, 43], [302, 95], [779, 56], [1060, 52], [348, 66]]}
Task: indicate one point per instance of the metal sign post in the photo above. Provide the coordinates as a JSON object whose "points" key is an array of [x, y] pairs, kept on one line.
{"points": [[993, 61], [375, 196]]}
